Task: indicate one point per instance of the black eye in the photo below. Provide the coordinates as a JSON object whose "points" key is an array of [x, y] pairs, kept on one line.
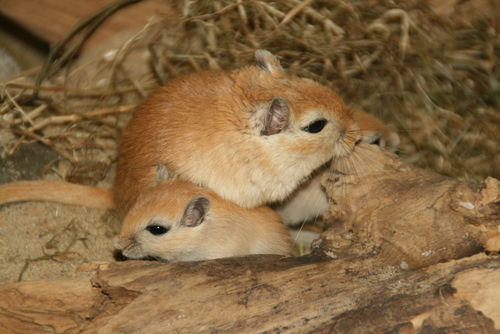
{"points": [[157, 229], [316, 126]]}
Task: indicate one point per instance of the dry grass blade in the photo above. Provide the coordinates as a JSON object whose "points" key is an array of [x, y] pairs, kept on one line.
{"points": [[18, 107], [381, 24], [295, 11], [70, 91]]}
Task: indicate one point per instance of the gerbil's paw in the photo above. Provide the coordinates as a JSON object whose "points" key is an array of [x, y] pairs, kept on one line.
{"points": [[374, 131], [388, 141]]}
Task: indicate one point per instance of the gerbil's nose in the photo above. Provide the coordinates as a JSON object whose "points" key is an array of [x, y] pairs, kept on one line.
{"points": [[116, 242], [357, 141], [351, 134], [357, 131]]}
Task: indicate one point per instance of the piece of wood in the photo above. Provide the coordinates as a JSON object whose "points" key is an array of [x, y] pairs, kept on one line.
{"points": [[261, 294], [50, 20], [35, 307], [404, 215]]}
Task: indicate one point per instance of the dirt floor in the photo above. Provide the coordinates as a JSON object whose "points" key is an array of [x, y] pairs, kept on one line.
{"points": [[51, 241], [42, 240]]}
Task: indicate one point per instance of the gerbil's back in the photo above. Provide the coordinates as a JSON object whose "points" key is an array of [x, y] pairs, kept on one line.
{"points": [[168, 126], [248, 231]]}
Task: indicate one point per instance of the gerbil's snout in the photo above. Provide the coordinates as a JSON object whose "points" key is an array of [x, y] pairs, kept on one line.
{"points": [[125, 245], [117, 243], [351, 134]]}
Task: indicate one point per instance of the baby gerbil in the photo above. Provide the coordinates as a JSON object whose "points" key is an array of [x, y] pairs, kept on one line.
{"points": [[171, 221], [252, 135], [178, 221]]}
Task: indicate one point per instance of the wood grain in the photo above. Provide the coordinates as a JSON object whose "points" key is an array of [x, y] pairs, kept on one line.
{"points": [[260, 294]]}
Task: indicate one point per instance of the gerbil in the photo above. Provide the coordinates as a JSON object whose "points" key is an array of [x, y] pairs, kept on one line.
{"points": [[308, 202], [252, 135], [374, 131], [200, 224], [178, 221]]}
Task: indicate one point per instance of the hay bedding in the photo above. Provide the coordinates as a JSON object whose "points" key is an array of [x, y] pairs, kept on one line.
{"points": [[433, 78]]}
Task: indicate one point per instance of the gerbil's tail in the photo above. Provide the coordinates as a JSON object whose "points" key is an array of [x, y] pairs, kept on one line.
{"points": [[61, 192]]}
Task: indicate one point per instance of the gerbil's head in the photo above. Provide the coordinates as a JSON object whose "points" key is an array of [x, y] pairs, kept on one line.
{"points": [[298, 118], [164, 223]]}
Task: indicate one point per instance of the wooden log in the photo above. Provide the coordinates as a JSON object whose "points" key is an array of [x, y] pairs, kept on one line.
{"points": [[404, 215], [261, 294]]}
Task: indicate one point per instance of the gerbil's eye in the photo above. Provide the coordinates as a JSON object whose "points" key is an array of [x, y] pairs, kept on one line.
{"points": [[157, 229], [315, 126]]}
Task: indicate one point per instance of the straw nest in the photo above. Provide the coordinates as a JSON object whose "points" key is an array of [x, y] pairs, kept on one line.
{"points": [[433, 79]]}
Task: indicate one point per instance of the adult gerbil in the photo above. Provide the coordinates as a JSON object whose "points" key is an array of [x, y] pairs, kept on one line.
{"points": [[308, 202], [252, 135], [178, 221]]}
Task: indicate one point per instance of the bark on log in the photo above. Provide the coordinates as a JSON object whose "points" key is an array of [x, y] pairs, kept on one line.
{"points": [[384, 213], [405, 215], [261, 294]]}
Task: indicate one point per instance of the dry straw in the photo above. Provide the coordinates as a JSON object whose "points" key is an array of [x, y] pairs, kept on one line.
{"points": [[433, 78]]}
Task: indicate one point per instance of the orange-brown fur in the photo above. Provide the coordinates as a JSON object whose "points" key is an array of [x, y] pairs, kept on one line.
{"points": [[61, 192], [216, 129], [374, 130], [227, 229], [206, 128]]}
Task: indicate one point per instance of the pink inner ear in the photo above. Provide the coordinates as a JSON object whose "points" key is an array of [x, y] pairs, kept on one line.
{"points": [[194, 215], [278, 120], [279, 116], [195, 212]]}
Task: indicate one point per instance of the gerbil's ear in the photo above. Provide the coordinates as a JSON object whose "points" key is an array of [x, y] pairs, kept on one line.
{"points": [[195, 211], [276, 117], [268, 62], [162, 173]]}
